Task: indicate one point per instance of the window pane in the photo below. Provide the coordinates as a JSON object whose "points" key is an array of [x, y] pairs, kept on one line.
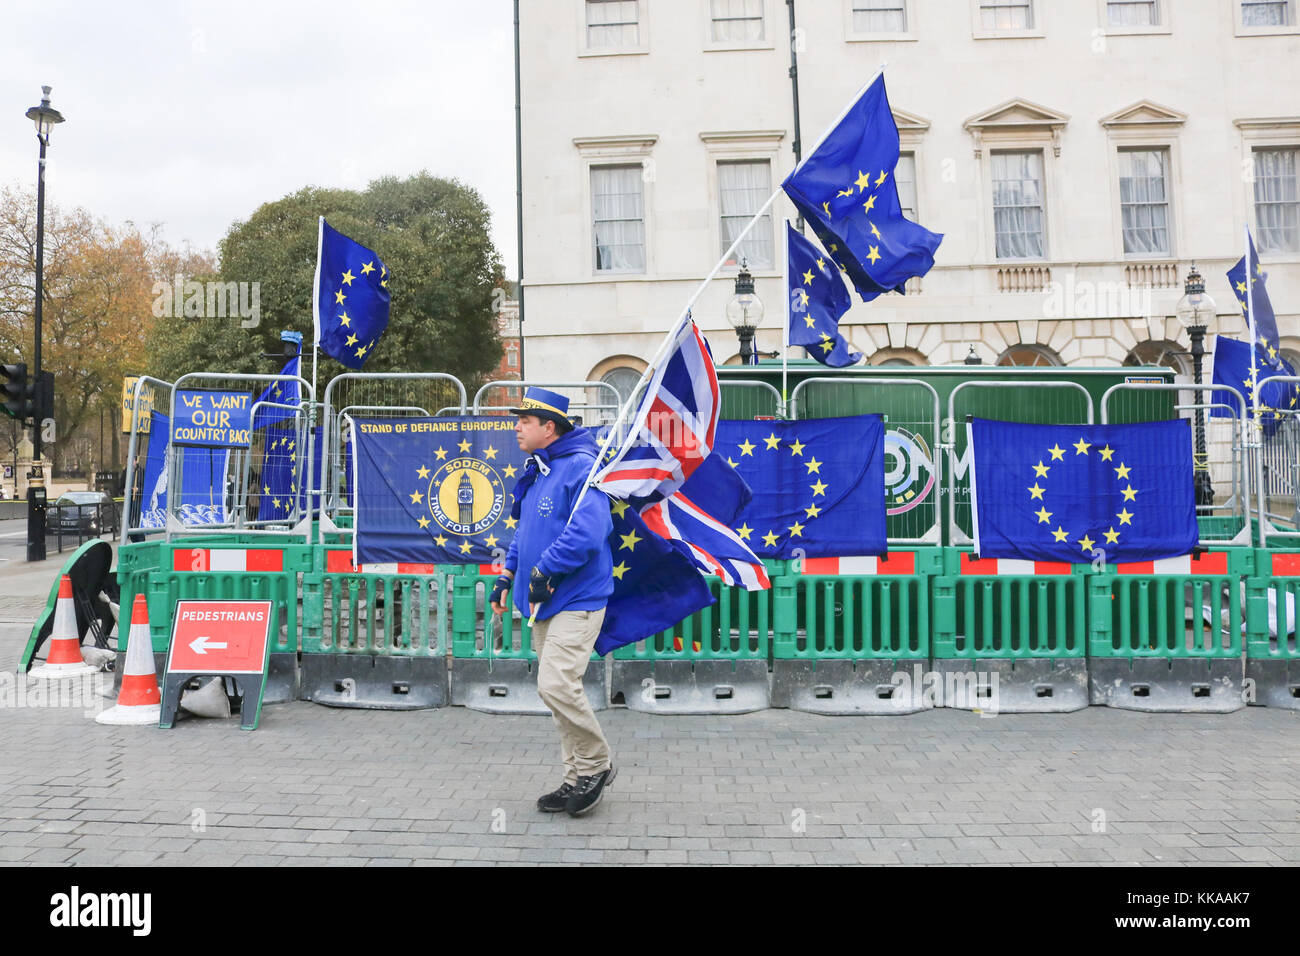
{"points": [[618, 225], [737, 21], [612, 23], [1265, 13], [905, 179], [1132, 13], [879, 16], [1018, 215], [1144, 201], [1007, 14], [742, 190], [1277, 206]]}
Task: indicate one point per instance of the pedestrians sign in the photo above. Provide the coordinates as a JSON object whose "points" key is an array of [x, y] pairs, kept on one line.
{"points": [[219, 639]]}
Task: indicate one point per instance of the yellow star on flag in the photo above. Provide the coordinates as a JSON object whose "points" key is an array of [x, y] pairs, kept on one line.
{"points": [[416, 497], [1086, 543], [361, 351], [813, 465], [796, 447], [881, 178], [509, 471], [424, 522], [1081, 447], [491, 540], [511, 523], [345, 321], [1035, 491], [812, 511], [827, 344], [871, 201], [339, 297], [874, 231], [863, 180], [441, 454], [466, 547], [275, 502], [873, 252], [347, 277], [772, 440], [1129, 493], [440, 541], [744, 531], [807, 277], [1123, 470], [352, 340], [1044, 516], [1106, 453], [730, 462], [1125, 517], [819, 488], [620, 569], [368, 268], [629, 540], [1060, 534], [746, 448], [796, 530], [423, 472], [1058, 453], [617, 506], [489, 452], [1111, 536], [770, 539], [1040, 470], [463, 446]]}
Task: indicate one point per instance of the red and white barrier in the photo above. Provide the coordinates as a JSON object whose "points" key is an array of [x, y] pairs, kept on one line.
{"points": [[227, 559], [900, 562], [1214, 562], [1012, 566]]}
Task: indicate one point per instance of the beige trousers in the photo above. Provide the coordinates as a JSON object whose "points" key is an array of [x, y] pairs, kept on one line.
{"points": [[563, 644]]}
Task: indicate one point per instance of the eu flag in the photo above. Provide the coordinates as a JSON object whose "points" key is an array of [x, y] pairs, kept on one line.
{"points": [[846, 191], [817, 299], [1265, 320], [818, 485], [434, 490], [655, 582], [277, 395], [1068, 493], [1232, 366], [282, 487], [350, 303]]}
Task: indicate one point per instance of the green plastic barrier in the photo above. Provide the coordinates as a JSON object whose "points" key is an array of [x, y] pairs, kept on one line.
{"points": [[1015, 630], [861, 631], [1272, 654], [1166, 635]]}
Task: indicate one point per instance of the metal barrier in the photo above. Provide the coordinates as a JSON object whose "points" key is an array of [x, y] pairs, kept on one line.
{"points": [[380, 394], [233, 495], [748, 400], [713, 662], [1223, 524], [494, 665], [980, 402], [1277, 473], [593, 414], [860, 633], [913, 469], [135, 495], [1272, 655], [1166, 635], [376, 637], [1009, 634]]}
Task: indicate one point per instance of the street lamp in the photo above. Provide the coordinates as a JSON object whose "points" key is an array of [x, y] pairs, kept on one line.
{"points": [[1196, 311], [46, 118], [745, 313]]}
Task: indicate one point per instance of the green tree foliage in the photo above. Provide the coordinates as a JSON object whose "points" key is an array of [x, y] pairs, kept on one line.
{"points": [[433, 236]]}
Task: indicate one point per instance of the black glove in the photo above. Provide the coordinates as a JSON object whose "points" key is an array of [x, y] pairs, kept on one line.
{"points": [[501, 590], [540, 588]]}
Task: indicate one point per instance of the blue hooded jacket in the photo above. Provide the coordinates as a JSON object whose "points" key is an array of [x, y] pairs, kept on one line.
{"points": [[576, 552]]}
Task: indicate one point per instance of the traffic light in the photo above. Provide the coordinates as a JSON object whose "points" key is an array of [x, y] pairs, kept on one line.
{"points": [[17, 392]]}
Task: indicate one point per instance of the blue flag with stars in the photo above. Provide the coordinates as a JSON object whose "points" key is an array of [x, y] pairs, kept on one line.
{"points": [[434, 490], [1069, 493], [818, 485], [350, 301], [846, 191], [1232, 367], [282, 495], [817, 298], [276, 395], [1265, 320]]}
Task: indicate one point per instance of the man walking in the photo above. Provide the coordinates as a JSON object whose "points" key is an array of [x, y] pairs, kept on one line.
{"points": [[559, 564]]}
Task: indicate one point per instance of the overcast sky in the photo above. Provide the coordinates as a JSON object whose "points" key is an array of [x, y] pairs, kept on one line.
{"points": [[192, 113]]}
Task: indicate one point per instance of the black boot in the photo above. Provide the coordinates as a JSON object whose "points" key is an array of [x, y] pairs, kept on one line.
{"points": [[556, 800], [588, 792]]}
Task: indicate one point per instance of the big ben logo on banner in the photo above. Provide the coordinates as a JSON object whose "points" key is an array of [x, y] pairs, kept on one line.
{"points": [[435, 490]]}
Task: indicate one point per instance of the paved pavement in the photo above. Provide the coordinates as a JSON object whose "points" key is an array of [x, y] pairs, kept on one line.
{"points": [[317, 785]]}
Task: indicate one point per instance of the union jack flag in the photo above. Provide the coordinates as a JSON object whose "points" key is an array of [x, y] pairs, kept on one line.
{"points": [[672, 431], [665, 470]]}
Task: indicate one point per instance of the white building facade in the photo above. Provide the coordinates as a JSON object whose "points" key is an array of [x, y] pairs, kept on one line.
{"points": [[1077, 155]]}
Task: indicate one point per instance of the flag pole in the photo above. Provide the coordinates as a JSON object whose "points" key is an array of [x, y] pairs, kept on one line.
{"points": [[785, 325]]}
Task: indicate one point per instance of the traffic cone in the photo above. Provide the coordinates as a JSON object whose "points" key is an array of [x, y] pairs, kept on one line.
{"points": [[64, 658], [138, 702]]}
